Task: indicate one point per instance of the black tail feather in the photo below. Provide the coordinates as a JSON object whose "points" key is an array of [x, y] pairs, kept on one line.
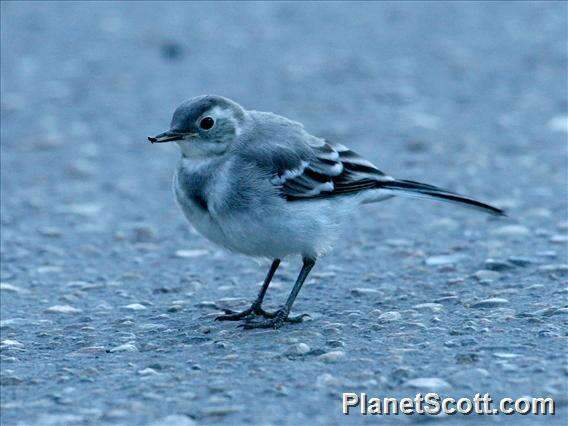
{"points": [[418, 189]]}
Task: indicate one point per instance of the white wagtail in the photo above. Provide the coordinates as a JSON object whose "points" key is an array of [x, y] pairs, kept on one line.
{"points": [[259, 184]]}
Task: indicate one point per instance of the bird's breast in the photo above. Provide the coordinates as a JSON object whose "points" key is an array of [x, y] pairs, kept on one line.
{"points": [[190, 192]]}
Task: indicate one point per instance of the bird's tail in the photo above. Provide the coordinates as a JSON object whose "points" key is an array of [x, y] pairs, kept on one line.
{"points": [[410, 188]]}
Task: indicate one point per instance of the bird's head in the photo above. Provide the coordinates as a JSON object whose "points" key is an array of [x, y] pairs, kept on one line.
{"points": [[204, 126]]}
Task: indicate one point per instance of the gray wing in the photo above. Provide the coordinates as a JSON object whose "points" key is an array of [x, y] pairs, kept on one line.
{"points": [[327, 170]]}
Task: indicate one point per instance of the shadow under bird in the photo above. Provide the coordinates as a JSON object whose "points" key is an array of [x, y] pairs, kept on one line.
{"points": [[259, 184]]}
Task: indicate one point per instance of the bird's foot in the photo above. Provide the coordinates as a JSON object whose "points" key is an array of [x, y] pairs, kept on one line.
{"points": [[277, 320], [254, 310]]}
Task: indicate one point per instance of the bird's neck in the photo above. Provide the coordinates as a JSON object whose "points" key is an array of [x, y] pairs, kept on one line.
{"points": [[198, 165]]}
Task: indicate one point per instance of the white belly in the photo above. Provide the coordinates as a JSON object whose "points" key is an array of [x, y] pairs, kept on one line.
{"points": [[294, 229], [270, 228]]}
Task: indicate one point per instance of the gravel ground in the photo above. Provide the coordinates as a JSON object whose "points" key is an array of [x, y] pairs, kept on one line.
{"points": [[108, 297]]}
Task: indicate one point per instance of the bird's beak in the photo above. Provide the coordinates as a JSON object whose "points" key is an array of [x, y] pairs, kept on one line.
{"points": [[168, 136]]}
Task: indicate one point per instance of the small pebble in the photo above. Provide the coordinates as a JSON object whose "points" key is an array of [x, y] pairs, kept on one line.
{"points": [[511, 231], [83, 209], [335, 344], [543, 312], [10, 380], [332, 356], [127, 347], [297, 349], [44, 270], [134, 307], [221, 410], [559, 123], [446, 300], [9, 288], [15, 322], [505, 355], [323, 274], [521, 261], [561, 311], [448, 259], [533, 287], [559, 239], [432, 307], [360, 292], [9, 343], [498, 265], [148, 372], [89, 350], [62, 309], [490, 303], [547, 253], [427, 383], [327, 380], [397, 242], [189, 254], [559, 268], [390, 316], [207, 304]]}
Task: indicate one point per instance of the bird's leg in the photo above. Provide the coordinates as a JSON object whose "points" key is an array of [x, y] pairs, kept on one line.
{"points": [[281, 315], [255, 308]]}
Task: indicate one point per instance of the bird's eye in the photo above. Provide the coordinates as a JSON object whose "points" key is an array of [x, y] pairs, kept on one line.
{"points": [[206, 123]]}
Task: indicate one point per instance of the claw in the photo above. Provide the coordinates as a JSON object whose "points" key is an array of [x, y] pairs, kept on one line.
{"points": [[231, 315], [276, 321], [234, 316]]}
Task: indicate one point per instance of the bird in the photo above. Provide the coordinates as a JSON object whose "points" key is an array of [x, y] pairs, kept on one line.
{"points": [[259, 184]]}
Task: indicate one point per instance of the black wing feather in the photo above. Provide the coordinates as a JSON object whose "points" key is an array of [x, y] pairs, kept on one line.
{"points": [[333, 170]]}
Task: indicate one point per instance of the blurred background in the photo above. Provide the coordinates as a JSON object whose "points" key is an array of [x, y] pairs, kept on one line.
{"points": [[109, 296]]}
